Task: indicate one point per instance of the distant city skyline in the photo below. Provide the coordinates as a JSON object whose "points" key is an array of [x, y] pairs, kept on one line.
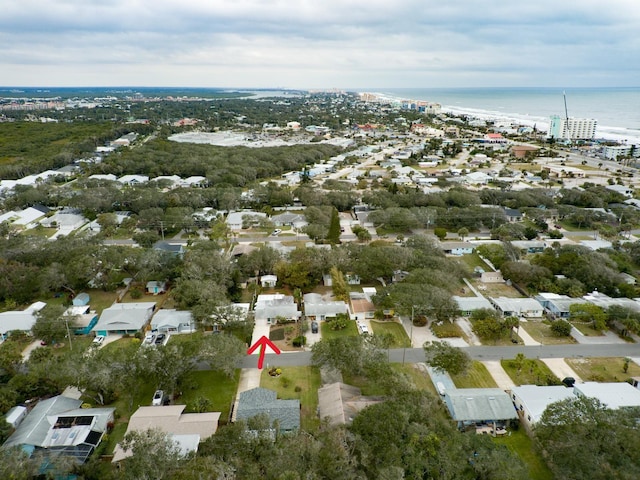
{"points": [[335, 43]]}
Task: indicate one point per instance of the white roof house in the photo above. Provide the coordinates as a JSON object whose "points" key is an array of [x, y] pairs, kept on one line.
{"points": [[269, 307], [518, 307], [467, 305], [108, 176], [613, 395], [133, 179], [235, 219], [315, 306], [124, 317], [172, 320], [20, 320], [533, 400]]}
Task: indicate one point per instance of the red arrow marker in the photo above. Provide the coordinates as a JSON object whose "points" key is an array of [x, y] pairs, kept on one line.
{"points": [[263, 343]]}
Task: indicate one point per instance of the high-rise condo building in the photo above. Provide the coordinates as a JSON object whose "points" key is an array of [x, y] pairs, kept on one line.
{"points": [[572, 128]]}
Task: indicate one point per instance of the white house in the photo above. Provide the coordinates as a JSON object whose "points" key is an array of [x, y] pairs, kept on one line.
{"points": [[268, 281], [532, 400], [517, 307], [19, 320], [269, 307], [235, 220], [317, 308], [171, 320], [133, 179]]}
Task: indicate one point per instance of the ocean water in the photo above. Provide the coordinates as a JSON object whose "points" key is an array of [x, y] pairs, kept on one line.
{"points": [[617, 110]]}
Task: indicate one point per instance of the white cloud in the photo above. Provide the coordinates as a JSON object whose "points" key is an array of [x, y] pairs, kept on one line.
{"points": [[348, 43]]}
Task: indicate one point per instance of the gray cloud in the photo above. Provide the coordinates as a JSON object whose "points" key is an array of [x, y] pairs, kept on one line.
{"points": [[345, 43]]}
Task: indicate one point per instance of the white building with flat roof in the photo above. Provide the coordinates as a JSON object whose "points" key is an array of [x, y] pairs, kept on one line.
{"points": [[572, 128]]}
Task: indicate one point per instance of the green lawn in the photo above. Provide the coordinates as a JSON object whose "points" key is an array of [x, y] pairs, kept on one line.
{"points": [[541, 332], [419, 378], [587, 330], [604, 369], [446, 330], [327, 333], [531, 372], [519, 443], [308, 379], [99, 299], [215, 386], [473, 260], [396, 330], [477, 377]]}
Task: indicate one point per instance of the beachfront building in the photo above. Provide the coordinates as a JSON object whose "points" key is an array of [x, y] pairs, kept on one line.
{"points": [[572, 128]]}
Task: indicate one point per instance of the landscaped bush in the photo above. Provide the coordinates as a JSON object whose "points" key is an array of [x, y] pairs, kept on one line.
{"points": [[276, 334], [135, 293], [420, 320], [299, 341], [561, 328]]}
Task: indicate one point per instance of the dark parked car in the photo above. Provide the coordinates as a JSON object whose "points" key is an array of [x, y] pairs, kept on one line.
{"points": [[160, 338], [314, 327]]}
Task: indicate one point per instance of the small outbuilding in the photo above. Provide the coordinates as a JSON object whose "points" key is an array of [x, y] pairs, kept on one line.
{"points": [[268, 281], [156, 287], [81, 299]]}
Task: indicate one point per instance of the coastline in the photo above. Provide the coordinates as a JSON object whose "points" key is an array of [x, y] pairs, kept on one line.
{"points": [[607, 132]]}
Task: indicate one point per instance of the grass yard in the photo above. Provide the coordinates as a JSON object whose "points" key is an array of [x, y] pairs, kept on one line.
{"points": [[496, 289], [473, 260], [530, 372], [215, 386], [587, 330], [446, 329], [99, 299], [418, 376], [541, 332], [477, 377], [604, 369], [327, 333], [396, 330], [364, 384], [308, 381], [519, 443]]}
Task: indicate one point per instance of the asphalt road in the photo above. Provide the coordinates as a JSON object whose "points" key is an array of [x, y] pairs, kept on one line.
{"points": [[415, 355]]}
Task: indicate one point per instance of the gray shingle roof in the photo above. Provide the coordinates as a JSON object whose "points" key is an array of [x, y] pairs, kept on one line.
{"points": [[262, 401], [479, 404]]}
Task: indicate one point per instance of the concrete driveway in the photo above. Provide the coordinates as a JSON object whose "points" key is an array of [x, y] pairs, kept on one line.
{"points": [[503, 380], [609, 338], [26, 353], [561, 369]]}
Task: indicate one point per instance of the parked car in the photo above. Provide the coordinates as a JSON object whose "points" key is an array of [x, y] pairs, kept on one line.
{"points": [[158, 397], [99, 340], [314, 327], [276, 232], [363, 328], [149, 338], [160, 338]]}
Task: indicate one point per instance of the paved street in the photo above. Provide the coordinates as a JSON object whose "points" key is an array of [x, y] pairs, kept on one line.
{"points": [[415, 355]]}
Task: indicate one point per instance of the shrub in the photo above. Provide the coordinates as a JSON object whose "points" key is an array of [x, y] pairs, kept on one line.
{"points": [[298, 389], [299, 341], [135, 293], [561, 328], [285, 382], [420, 320]]}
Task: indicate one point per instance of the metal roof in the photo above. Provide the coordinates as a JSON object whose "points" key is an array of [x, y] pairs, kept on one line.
{"points": [[479, 404]]}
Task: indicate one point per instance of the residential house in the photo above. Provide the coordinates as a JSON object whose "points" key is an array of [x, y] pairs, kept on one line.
{"points": [[284, 415], [269, 307], [195, 181], [155, 287], [238, 220], [176, 249], [171, 320], [513, 215], [613, 395], [530, 246], [532, 400], [19, 320], [109, 177], [557, 306], [339, 403], [517, 307], [82, 318], [268, 281], [316, 308], [457, 248], [66, 220], [187, 429], [58, 426], [469, 406], [491, 277], [468, 305], [132, 180], [124, 318], [361, 307], [622, 190], [295, 220]]}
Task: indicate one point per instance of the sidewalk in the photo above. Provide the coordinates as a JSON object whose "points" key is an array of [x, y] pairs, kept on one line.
{"points": [[526, 338]]}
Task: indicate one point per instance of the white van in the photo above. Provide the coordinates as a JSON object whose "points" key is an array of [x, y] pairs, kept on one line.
{"points": [[441, 388]]}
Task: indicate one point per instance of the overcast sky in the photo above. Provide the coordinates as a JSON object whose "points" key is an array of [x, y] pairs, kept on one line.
{"points": [[320, 43]]}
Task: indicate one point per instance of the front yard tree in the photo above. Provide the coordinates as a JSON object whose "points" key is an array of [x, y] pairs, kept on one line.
{"points": [[339, 285], [155, 455], [333, 236], [222, 352], [445, 357], [587, 312], [51, 324]]}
